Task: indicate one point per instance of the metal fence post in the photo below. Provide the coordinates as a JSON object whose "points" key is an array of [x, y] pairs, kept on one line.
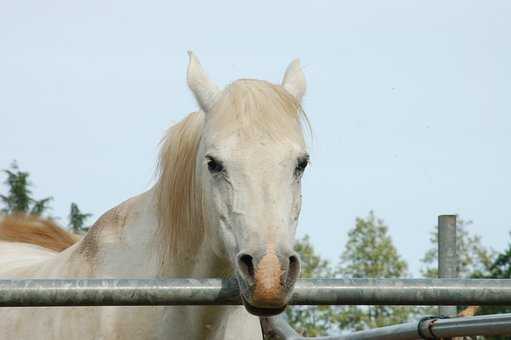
{"points": [[447, 258]]}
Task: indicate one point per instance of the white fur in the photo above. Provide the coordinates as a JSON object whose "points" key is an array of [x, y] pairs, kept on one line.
{"points": [[20, 255], [204, 90]]}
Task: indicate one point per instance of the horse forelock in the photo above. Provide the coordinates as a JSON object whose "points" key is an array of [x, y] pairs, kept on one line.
{"points": [[251, 106]]}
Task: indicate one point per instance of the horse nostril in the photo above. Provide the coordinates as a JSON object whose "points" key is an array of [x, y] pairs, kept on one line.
{"points": [[294, 270], [246, 265]]}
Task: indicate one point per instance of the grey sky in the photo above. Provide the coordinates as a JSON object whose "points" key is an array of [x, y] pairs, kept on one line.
{"points": [[409, 102]]}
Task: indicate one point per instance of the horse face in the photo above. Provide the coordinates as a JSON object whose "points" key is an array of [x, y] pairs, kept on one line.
{"points": [[250, 162], [253, 194]]}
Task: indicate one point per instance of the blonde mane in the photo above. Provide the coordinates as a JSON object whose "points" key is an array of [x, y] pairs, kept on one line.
{"points": [[178, 200], [35, 230], [246, 105]]}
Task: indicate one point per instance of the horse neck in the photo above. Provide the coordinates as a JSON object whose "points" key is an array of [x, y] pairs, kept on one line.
{"points": [[126, 241], [197, 261], [207, 264], [121, 241]]}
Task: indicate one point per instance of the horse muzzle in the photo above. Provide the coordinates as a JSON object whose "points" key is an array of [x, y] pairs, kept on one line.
{"points": [[266, 281]]}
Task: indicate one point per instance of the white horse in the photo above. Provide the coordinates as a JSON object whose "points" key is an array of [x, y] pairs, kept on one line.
{"points": [[226, 203]]}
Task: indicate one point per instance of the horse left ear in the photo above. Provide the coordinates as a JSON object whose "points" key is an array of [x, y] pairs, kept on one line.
{"points": [[294, 80], [204, 90]]}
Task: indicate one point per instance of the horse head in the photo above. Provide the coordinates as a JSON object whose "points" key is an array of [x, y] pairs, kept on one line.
{"points": [[250, 161]]}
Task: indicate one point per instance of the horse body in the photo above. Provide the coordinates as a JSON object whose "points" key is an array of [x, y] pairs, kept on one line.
{"points": [[226, 204]]}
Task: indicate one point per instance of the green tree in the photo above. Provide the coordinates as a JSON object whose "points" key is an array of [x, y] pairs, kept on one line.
{"points": [[18, 199], [474, 259], [370, 253], [311, 320], [499, 269], [77, 219]]}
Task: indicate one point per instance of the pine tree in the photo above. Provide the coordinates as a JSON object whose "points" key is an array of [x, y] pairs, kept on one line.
{"points": [[19, 199], [370, 253], [77, 219]]}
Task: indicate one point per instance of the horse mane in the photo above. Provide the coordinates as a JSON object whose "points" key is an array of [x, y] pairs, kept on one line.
{"points": [[180, 218], [245, 105], [35, 230]]}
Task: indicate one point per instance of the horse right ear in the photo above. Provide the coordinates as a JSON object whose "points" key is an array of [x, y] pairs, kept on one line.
{"points": [[204, 90], [294, 80]]}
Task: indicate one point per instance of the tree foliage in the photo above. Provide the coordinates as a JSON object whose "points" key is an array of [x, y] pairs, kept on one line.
{"points": [[311, 320], [77, 219], [18, 199], [370, 253], [499, 269]]}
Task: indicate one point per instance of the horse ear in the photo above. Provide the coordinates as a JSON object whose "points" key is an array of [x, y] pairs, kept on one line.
{"points": [[294, 80], [204, 90]]}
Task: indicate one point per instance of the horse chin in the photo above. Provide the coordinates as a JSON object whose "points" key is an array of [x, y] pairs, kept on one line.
{"points": [[262, 311]]}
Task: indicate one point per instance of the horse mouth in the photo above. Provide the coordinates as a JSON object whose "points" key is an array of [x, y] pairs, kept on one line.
{"points": [[262, 311]]}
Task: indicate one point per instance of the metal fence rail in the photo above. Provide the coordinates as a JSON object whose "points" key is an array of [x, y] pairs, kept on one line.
{"points": [[500, 324], [143, 292]]}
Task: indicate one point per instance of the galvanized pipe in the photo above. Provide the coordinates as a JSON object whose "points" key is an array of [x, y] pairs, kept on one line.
{"points": [[447, 258], [117, 292], [496, 324], [145, 292]]}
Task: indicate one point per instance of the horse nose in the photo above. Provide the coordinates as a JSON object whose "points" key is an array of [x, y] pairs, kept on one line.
{"points": [[293, 269], [246, 267], [268, 277]]}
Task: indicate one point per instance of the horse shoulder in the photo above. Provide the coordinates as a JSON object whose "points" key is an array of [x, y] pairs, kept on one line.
{"points": [[112, 227]]}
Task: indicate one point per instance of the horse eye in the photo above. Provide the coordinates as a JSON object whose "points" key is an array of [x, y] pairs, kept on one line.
{"points": [[301, 165], [214, 166]]}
